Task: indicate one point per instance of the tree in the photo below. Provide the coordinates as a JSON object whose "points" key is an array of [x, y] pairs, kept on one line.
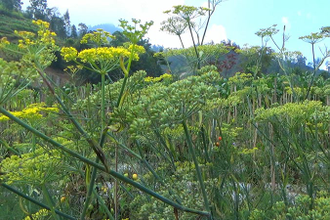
{"points": [[67, 23], [74, 31], [11, 5], [38, 9], [82, 29], [56, 22]]}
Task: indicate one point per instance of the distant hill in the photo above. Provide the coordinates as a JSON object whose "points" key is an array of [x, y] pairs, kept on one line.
{"points": [[11, 21], [106, 27]]}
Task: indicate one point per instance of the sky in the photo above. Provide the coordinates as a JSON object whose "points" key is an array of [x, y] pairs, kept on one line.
{"points": [[237, 20]]}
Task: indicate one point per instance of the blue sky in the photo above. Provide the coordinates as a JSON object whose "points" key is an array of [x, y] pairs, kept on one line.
{"points": [[237, 20], [242, 18]]}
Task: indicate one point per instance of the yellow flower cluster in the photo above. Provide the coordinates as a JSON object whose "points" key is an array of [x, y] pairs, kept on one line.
{"points": [[41, 214], [99, 37], [69, 53], [44, 36], [159, 78], [4, 41], [103, 54], [101, 58], [37, 48], [246, 151], [41, 23], [31, 112], [37, 167]]}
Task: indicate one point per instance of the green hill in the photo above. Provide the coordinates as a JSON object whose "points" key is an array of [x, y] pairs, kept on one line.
{"points": [[11, 21]]}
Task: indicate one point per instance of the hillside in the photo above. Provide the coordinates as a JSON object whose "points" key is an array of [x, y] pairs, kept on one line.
{"points": [[11, 21]]}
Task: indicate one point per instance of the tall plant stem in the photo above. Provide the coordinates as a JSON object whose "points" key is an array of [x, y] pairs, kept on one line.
{"points": [[198, 171], [195, 47], [314, 72], [91, 184], [92, 143], [102, 101], [36, 202], [179, 35], [49, 200], [207, 22]]}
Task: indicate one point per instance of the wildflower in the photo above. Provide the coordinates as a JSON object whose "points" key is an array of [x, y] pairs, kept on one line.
{"points": [[99, 37], [4, 41], [102, 59], [69, 53]]}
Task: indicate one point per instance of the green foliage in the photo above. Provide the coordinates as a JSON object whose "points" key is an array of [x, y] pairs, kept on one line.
{"points": [[252, 146], [10, 21], [183, 186], [300, 210]]}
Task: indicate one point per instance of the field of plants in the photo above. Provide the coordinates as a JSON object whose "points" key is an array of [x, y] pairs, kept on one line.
{"points": [[204, 146]]}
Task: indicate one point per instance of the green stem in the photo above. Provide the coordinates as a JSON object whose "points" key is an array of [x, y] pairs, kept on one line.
{"points": [[35, 201], [198, 171], [49, 200], [194, 44], [102, 100], [92, 143], [102, 204], [100, 166], [4, 143], [205, 145], [89, 191]]}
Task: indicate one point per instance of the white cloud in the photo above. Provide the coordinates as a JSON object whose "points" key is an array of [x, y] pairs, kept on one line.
{"points": [[110, 11], [216, 33], [285, 21]]}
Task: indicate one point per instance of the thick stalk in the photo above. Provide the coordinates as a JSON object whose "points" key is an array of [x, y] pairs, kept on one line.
{"points": [[194, 44], [116, 183], [91, 184], [92, 143], [314, 72], [102, 204], [198, 171], [104, 130], [179, 35], [102, 100], [207, 22], [50, 201]]}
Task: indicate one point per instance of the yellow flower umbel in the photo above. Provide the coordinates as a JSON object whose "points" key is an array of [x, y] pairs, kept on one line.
{"points": [[101, 59], [38, 167], [41, 214], [99, 37], [165, 76], [32, 111], [36, 48]]}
